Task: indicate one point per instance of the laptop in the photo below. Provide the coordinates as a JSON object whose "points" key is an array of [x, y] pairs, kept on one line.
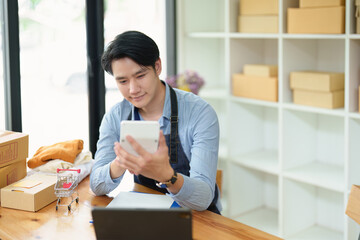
{"points": [[137, 223]]}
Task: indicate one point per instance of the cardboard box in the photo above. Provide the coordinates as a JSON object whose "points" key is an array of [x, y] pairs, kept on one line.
{"points": [[359, 99], [14, 147], [329, 20], [319, 99], [258, 7], [30, 194], [317, 81], [262, 88], [12, 173], [261, 70], [258, 24], [353, 204], [321, 3]]}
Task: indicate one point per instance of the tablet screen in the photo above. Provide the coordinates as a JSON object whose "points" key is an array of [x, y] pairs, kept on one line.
{"points": [[146, 133]]}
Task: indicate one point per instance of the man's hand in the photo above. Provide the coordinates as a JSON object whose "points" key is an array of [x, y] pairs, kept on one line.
{"points": [[155, 166]]}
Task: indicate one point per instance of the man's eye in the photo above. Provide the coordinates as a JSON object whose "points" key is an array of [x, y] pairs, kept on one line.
{"points": [[122, 81], [141, 76]]}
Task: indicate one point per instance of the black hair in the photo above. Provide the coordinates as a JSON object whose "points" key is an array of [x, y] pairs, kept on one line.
{"points": [[134, 45]]}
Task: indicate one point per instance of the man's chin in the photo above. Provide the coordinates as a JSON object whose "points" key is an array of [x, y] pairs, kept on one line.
{"points": [[137, 104]]}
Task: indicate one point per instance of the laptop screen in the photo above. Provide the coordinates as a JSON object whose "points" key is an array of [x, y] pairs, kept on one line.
{"points": [[137, 223]]}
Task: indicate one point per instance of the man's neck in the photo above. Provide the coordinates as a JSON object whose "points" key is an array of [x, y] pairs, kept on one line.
{"points": [[155, 110]]}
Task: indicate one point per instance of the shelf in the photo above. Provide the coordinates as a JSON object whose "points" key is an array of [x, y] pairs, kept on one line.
{"points": [[318, 174], [254, 102], [266, 161], [317, 233], [313, 36], [265, 219], [253, 35], [354, 115], [333, 112], [354, 36], [289, 166], [206, 35], [213, 93]]}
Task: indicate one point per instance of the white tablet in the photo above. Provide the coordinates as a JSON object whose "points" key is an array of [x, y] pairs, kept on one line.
{"points": [[146, 133]]}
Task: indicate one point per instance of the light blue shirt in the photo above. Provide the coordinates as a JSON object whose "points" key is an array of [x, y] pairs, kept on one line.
{"points": [[199, 135]]}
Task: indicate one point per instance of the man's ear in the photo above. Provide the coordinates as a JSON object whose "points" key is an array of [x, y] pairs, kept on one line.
{"points": [[158, 67]]}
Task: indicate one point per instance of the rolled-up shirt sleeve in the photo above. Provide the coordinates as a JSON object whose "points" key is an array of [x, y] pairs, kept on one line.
{"points": [[101, 182]]}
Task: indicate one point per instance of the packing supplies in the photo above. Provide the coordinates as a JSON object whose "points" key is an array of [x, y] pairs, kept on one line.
{"points": [[319, 99], [259, 7], [258, 24], [327, 20], [260, 70], [31, 193], [320, 3], [317, 81], [258, 16], [262, 88], [14, 147], [12, 173]]}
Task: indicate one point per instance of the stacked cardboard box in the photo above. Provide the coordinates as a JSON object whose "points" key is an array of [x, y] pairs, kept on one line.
{"points": [[31, 193], [317, 16], [318, 89], [258, 16], [357, 15], [257, 81], [13, 154]]}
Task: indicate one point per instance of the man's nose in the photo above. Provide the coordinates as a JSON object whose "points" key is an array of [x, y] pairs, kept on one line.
{"points": [[134, 86]]}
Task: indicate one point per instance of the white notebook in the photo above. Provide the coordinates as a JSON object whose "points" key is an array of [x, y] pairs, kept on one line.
{"points": [[141, 200]]}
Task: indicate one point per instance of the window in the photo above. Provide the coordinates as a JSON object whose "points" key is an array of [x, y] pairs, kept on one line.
{"points": [[53, 71], [126, 15], [2, 93]]}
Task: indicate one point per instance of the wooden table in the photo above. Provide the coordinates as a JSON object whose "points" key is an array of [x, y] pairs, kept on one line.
{"points": [[48, 223]]}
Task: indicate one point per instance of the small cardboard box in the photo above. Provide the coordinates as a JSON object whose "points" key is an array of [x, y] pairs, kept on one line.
{"points": [[330, 20], [262, 88], [30, 194], [14, 147], [317, 81], [12, 173], [353, 204], [319, 99], [261, 70], [259, 7], [258, 24], [321, 3]]}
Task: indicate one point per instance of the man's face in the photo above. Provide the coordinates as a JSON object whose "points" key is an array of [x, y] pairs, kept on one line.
{"points": [[138, 84]]}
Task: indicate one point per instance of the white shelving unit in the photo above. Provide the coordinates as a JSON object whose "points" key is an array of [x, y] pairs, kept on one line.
{"points": [[288, 168]]}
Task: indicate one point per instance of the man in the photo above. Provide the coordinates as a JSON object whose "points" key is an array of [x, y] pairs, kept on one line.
{"points": [[184, 166]]}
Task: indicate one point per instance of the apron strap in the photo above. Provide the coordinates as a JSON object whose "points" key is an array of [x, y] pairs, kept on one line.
{"points": [[174, 127]]}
